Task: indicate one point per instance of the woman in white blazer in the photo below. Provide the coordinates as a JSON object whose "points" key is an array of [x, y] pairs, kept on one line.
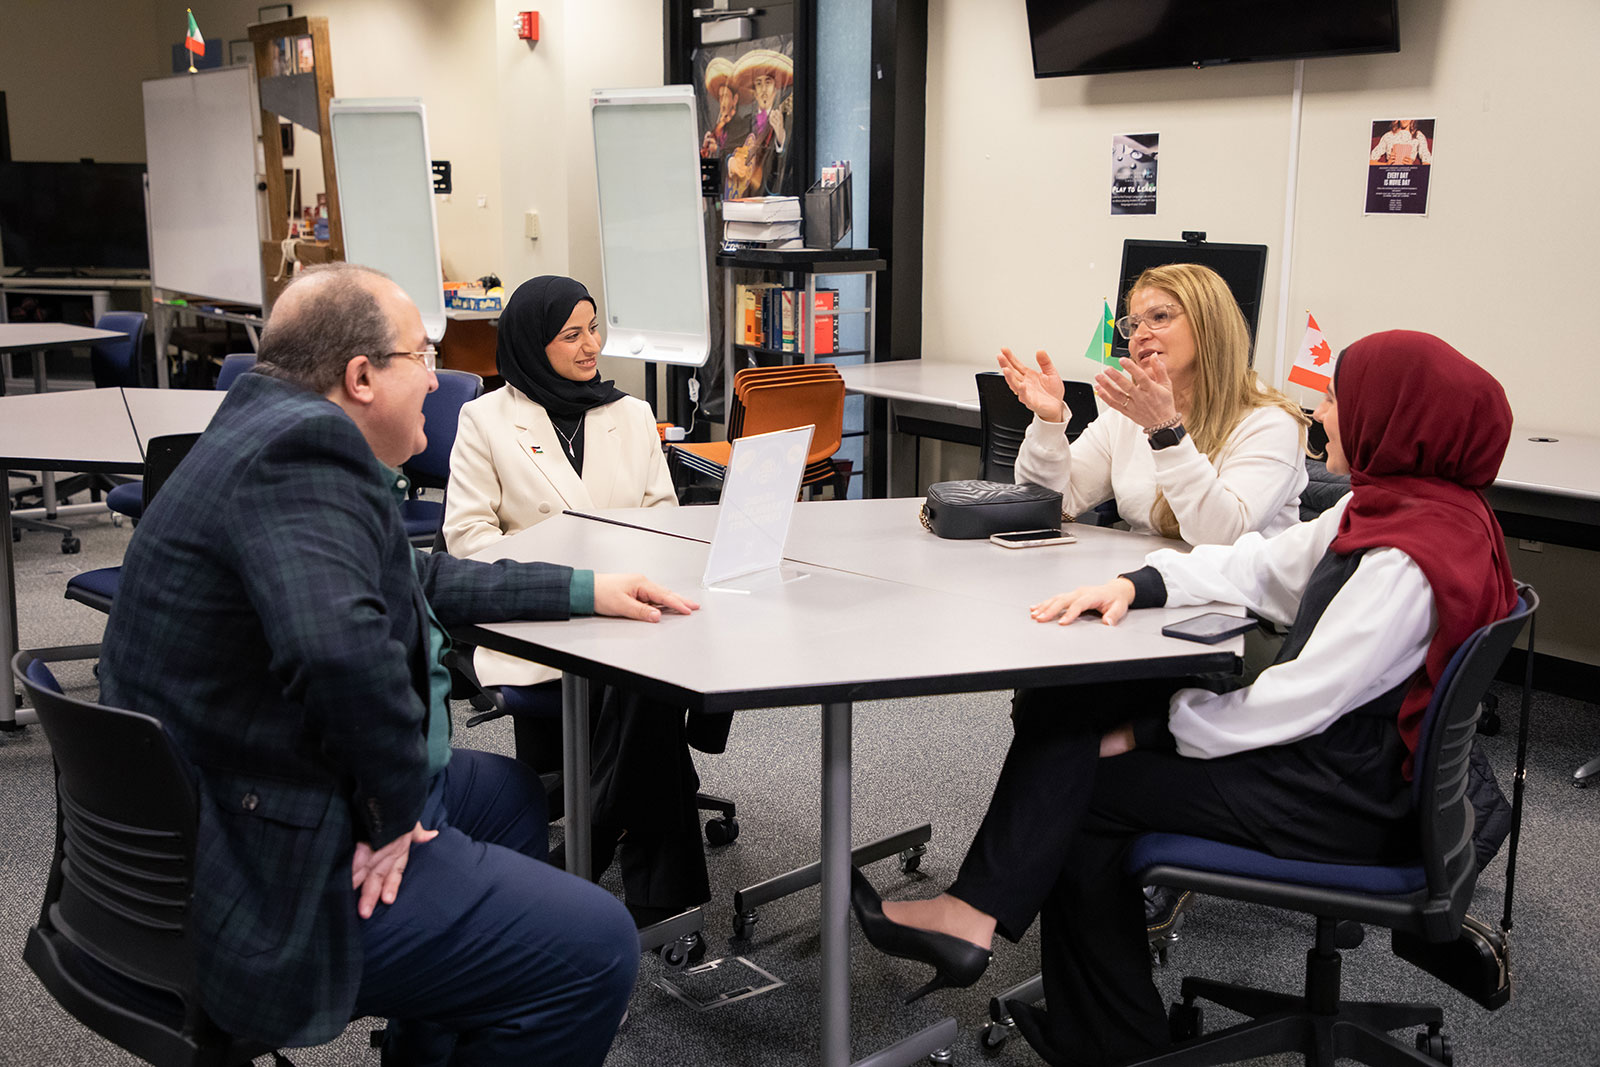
{"points": [[557, 437]]}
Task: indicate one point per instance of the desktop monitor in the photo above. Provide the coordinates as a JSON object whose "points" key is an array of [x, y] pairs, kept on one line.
{"points": [[1243, 267]]}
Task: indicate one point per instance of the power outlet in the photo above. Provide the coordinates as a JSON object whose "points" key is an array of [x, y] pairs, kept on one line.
{"points": [[1530, 546]]}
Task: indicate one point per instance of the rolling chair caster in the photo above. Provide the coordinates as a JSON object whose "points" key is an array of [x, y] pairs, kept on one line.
{"points": [[1489, 717], [686, 950], [1435, 1045], [721, 831], [70, 546], [911, 858], [743, 923], [1185, 1020], [942, 1057]]}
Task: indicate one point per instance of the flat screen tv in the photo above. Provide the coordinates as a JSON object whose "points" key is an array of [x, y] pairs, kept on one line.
{"points": [[65, 216], [1105, 36], [1243, 267]]}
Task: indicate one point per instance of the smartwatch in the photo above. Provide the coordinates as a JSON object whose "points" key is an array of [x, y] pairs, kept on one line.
{"points": [[1167, 436]]}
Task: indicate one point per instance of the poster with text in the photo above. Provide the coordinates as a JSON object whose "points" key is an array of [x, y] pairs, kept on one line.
{"points": [[1399, 165], [1133, 173]]}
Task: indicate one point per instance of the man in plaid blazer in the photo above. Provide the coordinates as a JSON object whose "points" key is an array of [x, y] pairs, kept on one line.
{"points": [[273, 615]]}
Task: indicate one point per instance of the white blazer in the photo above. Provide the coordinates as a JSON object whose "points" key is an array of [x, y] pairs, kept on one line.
{"points": [[509, 471]]}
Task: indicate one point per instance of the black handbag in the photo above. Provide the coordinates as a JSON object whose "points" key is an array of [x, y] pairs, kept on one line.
{"points": [[972, 509]]}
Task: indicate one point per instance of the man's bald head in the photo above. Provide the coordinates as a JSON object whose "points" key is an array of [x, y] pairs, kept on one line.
{"points": [[327, 316]]}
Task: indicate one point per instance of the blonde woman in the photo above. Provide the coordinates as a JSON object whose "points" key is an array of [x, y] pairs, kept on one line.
{"points": [[1193, 445]]}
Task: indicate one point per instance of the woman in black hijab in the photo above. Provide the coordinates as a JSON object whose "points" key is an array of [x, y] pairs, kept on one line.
{"points": [[558, 437]]}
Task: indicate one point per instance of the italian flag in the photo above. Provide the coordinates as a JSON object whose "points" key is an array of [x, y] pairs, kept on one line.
{"points": [[192, 40], [1313, 363], [1099, 348]]}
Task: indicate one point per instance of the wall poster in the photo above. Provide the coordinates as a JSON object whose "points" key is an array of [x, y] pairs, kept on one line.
{"points": [[1399, 162], [746, 97], [1133, 173]]}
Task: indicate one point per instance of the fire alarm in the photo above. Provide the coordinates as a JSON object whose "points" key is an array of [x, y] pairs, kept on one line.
{"points": [[528, 25]]}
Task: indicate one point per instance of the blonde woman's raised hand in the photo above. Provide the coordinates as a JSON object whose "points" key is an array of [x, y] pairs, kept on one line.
{"points": [[1039, 390]]}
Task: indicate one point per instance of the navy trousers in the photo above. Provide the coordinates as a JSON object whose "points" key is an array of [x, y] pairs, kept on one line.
{"points": [[489, 955]]}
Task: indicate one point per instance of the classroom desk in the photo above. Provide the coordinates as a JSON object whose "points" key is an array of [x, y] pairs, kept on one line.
{"points": [[1549, 488], [39, 336], [101, 430], [830, 635], [165, 309], [924, 399]]}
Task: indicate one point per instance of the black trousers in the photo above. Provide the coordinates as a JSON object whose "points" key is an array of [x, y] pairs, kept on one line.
{"points": [[644, 797], [1061, 820]]}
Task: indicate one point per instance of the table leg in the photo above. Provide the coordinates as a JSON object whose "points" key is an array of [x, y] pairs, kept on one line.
{"points": [[575, 770], [836, 884], [8, 610], [163, 331]]}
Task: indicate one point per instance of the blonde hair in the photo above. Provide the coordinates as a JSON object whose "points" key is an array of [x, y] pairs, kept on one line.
{"points": [[1225, 387]]}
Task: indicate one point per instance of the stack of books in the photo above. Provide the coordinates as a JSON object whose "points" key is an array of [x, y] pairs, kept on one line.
{"points": [[769, 317], [761, 222]]}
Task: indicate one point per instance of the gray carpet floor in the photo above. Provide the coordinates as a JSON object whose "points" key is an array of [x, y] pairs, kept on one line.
{"points": [[931, 760]]}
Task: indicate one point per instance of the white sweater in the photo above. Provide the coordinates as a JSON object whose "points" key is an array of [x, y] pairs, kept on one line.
{"points": [[1255, 485], [1373, 635]]}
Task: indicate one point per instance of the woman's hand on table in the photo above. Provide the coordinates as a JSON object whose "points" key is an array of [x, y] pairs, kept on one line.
{"points": [[1039, 390], [633, 596], [1116, 742], [1110, 600]]}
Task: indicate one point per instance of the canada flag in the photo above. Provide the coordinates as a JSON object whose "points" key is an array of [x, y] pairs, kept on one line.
{"points": [[1313, 363]]}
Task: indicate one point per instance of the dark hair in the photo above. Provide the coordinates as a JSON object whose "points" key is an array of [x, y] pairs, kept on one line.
{"points": [[314, 332]]}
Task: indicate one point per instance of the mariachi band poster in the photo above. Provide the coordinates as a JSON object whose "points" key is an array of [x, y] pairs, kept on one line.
{"points": [[746, 97], [1399, 165]]}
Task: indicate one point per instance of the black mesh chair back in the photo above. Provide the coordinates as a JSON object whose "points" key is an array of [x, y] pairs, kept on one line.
{"points": [[111, 944], [161, 457], [1003, 420]]}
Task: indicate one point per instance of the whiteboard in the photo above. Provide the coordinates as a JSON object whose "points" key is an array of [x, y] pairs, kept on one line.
{"points": [[205, 211], [652, 240], [380, 152]]}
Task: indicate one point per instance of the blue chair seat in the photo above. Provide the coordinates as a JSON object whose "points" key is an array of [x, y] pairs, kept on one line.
{"points": [[422, 518], [127, 499], [96, 588], [1199, 854]]}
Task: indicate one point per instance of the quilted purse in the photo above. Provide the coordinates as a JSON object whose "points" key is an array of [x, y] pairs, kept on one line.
{"points": [[972, 509]]}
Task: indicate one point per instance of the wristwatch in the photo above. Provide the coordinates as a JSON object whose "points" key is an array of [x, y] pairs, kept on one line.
{"points": [[1167, 436]]}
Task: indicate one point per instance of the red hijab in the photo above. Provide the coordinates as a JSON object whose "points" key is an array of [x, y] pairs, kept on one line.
{"points": [[1424, 429]]}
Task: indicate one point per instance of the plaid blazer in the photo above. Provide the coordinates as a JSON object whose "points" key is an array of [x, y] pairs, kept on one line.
{"points": [[271, 613]]}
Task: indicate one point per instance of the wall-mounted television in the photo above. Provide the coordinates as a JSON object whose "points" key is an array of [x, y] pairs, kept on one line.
{"points": [[1106, 36], [66, 216]]}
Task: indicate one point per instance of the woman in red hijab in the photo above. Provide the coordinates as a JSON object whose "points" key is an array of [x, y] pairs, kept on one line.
{"points": [[1312, 761]]}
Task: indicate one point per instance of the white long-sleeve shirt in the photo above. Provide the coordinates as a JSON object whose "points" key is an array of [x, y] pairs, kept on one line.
{"points": [[1255, 484], [1373, 635]]}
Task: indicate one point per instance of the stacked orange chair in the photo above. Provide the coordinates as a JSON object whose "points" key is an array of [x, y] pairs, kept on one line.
{"points": [[767, 399]]}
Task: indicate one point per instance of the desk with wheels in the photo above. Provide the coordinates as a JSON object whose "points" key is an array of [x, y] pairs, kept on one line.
{"points": [[101, 430], [866, 625]]}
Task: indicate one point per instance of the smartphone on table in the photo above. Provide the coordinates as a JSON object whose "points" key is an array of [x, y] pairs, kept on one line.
{"points": [[1211, 628], [1032, 538]]}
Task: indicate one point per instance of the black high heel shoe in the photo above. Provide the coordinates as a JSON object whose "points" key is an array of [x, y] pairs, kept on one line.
{"points": [[956, 963]]}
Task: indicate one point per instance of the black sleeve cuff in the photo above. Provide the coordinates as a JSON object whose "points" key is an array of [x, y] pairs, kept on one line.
{"points": [[1149, 588]]}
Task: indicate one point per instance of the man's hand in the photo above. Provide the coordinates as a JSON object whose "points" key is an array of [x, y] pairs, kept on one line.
{"points": [[1110, 600], [633, 596], [377, 874]]}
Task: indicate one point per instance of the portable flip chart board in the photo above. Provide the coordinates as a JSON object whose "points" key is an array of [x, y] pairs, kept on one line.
{"points": [[652, 236], [380, 150], [205, 210]]}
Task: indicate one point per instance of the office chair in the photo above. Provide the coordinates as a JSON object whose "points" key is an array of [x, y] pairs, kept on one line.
{"points": [[1422, 903], [430, 468], [128, 499], [111, 944], [98, 588]]}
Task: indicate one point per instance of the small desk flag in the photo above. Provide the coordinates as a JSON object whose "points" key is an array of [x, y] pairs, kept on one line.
{"points": [[1099, 348], [1313, 363], [193, 41]]}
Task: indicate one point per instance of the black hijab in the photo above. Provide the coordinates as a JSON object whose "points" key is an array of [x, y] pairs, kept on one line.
{"points": [[532, 318]]}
